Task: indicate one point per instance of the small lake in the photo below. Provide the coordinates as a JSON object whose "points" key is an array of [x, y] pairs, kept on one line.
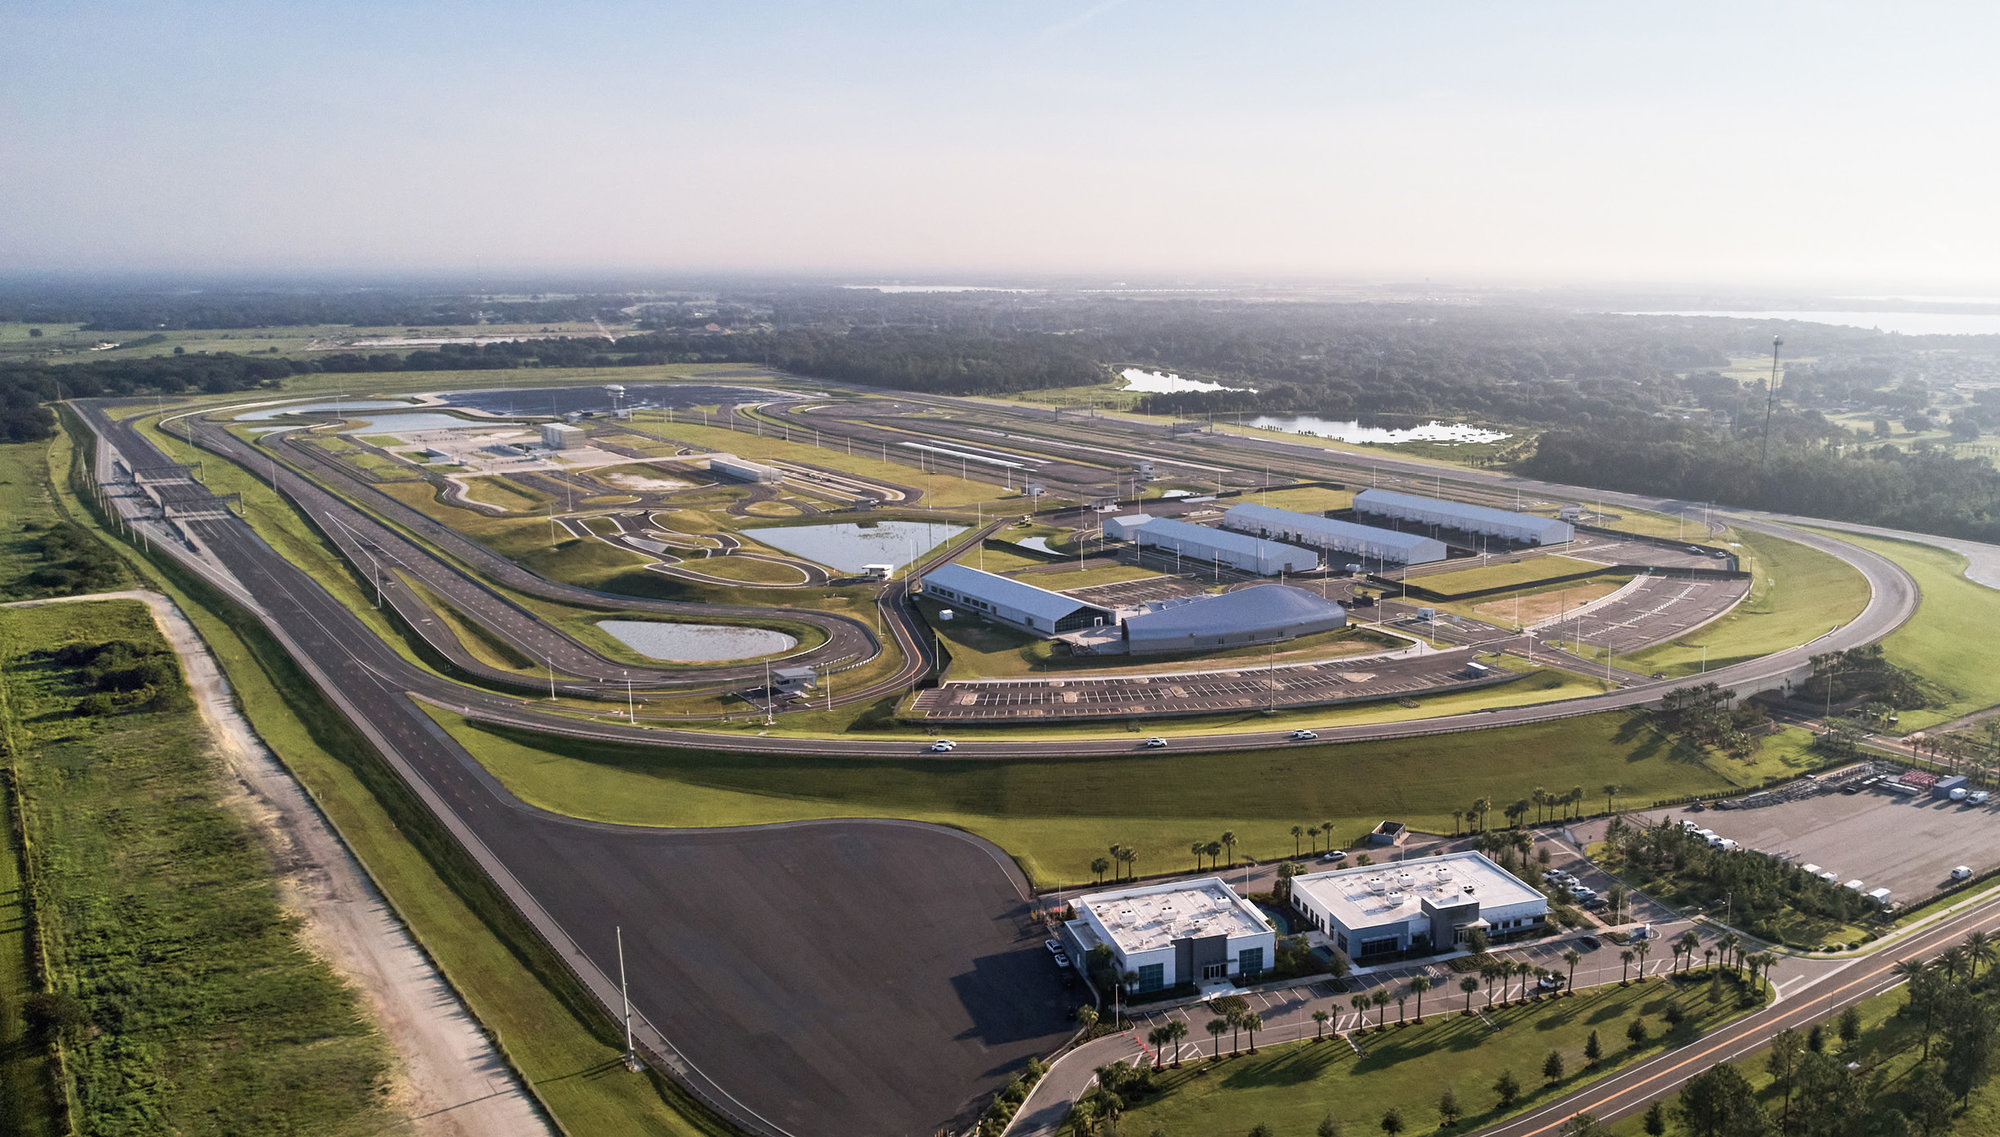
{"points": [[1164, 383], [696, 643], [1906, 323], [850, 546], [1352, 431]]}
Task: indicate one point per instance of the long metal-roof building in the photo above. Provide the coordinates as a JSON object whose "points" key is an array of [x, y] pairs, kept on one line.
{"points": [[1266, 613], [1478, 520], [1238, 551], [1328, 535], [1012, 602]]}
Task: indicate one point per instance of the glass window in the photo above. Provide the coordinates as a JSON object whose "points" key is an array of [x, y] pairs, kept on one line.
{"points": [[1152, 976], [1250, 961]]}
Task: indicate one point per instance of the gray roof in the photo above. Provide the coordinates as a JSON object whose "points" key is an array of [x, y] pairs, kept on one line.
{"points": [[1250, 514], [1247, 609], [1006, 592], [1391, 502], [1169, 529]]}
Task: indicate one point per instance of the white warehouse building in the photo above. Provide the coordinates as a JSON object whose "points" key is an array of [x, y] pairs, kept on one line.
{"points": [[561, 435], [1365, 542], [1012, 602], [1265, 613], [1430, 904], [1194, 931], [1236, 550], [1477, 520], [743, 470]]}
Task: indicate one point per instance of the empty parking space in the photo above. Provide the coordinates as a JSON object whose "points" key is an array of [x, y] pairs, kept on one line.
{"points": [[1653, 609]]}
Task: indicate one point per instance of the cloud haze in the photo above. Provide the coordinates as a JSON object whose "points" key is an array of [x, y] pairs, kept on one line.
{"points": [[1719, 142]]}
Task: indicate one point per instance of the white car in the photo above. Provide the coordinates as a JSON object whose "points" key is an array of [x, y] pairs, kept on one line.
{"points": [[1978, 797], [1155, 743], [942, 745], [1303, 736], [1962, 872]]}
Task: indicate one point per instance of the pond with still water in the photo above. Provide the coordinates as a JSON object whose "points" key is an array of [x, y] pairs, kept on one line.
{"points": [[851, 547], [696, 643]]}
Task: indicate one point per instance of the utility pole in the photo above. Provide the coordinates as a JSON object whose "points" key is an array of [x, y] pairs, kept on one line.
{"points": [[631, 710], [1770, 397], [625, 998]]}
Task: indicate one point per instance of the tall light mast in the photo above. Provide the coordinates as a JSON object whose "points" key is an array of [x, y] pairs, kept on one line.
{"points": [[1770, 397]]}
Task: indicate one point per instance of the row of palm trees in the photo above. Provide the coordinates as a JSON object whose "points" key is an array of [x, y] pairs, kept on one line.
{"points": [[1547, 805]]}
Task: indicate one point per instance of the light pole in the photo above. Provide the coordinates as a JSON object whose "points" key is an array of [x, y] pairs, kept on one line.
{"points": [[631, 709]]}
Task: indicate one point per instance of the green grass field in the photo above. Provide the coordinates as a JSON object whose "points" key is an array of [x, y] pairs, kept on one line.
{"points": [[943, 490], [1530, 571], [200, 1011], [1796, 594], [1290, 1087], [1056, 814], [1951, 640]]}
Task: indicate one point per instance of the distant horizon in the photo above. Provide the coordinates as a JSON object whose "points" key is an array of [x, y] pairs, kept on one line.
{"points": [[1551, 144]]}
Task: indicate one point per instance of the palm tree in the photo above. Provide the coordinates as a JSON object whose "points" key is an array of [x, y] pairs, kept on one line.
{"points": [[1730, 942], [1326, 827], [1770, 961], [1229, 844], [1312, 831], [1644, 947], [1158, 1038], [1086, 1018], [1626, 976], [1689, 943], [1100, 866], [1117, 858], [1978, 946], [1236, 1030], [1469, 984], [1540, 798], [1457, 815], [1571, 957], [1489, 972], [1197, 848], [1360, 1005], [1215, 1028], [1319, 1021], [1524, 969], [1252, 1023], [1380, 998], [1131, 858], [1576, 798], [1951, 961], [1610, 791], [1418, 985], [1402, 1001], [1298, 831], [1177, 1029], [1214, 851]]}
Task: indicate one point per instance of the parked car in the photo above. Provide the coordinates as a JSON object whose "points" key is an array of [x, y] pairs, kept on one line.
{"points": [[1155, 743], [1587, 943], [1303, 736], [1596, 903], [1336, 856], [1055, 946], [942, 745], [1962, 872], [1062, 959], [1550, 982], [1978, 797]]}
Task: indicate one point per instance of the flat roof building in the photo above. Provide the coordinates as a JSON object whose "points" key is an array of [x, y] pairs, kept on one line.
{"points": [[1012, 602], [1237, 551], [743, 470], [1266, 613], [1364, 542], [561, 436], [1194, 931], [1424, 905], [1476, 520]]}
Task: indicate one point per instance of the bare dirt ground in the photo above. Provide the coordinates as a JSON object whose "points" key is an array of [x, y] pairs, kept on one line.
{"points": [[452, 1082]]}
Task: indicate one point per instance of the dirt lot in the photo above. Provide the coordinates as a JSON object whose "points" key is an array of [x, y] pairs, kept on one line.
{"points": [[1907, 845]]}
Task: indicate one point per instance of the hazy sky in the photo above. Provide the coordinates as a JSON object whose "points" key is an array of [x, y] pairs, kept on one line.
{"points": [[1729, 142]]}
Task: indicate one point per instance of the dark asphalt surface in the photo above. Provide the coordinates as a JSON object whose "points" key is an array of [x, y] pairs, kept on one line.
{"points": [[841, 978]]}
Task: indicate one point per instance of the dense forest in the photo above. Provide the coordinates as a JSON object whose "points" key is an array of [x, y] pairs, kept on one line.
{"points": [[1639, 403]]}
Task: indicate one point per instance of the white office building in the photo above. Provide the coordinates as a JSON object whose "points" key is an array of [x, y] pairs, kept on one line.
{"points": [[1362, 543], [1199, 543], [1197, 931], [561, 436], [1458, 517], [1429, 904], [1012, 602]]}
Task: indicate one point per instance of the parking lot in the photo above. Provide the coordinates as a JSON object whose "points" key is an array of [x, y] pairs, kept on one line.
{"points": [[1651, 610], [1907, 845]]}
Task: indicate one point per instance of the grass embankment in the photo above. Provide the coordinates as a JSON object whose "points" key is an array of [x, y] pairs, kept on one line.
{"points": [[1533, 570], [1055, 814], [545, 1026], [173, 978], [1796, 595], [1292, 1086], [1950, 641]]}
